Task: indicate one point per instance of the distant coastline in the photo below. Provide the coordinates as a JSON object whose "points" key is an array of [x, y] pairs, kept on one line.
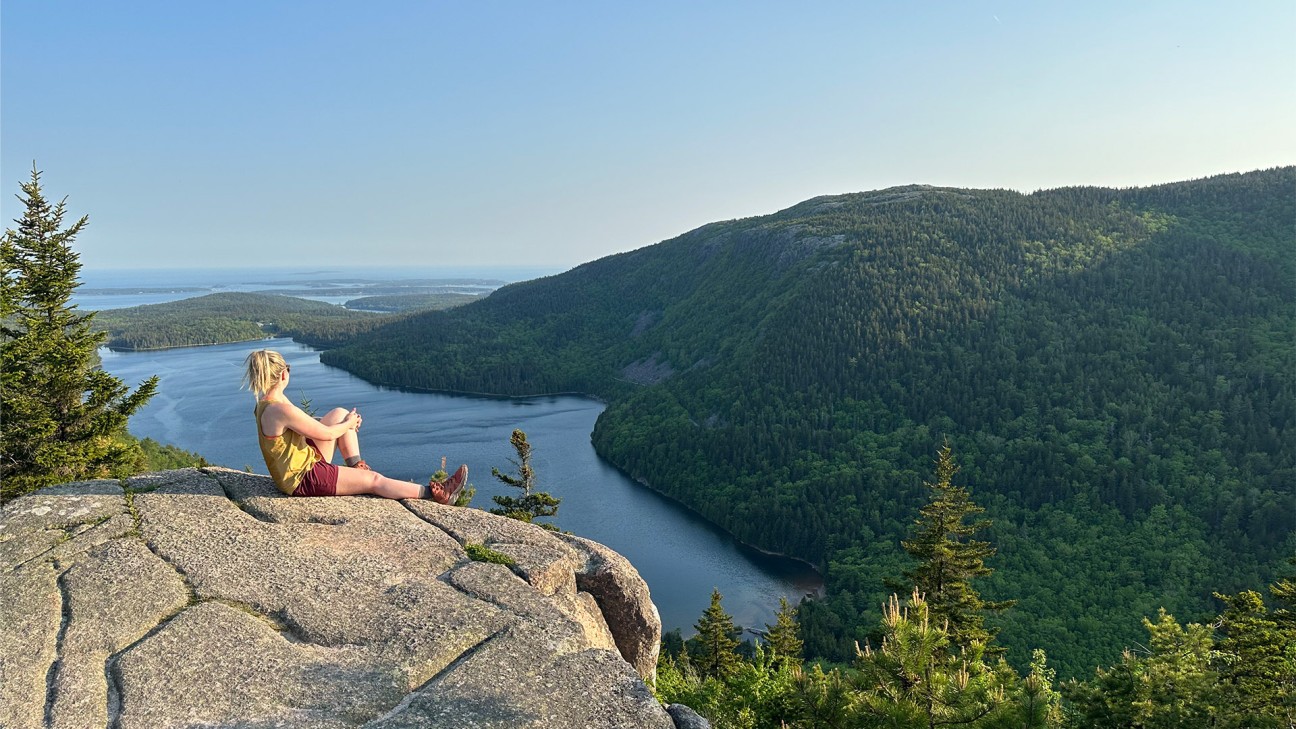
{"points": [[191, 346]]}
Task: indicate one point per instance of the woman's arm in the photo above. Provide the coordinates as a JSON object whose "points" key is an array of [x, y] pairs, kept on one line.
{"points": [[283, 415]]}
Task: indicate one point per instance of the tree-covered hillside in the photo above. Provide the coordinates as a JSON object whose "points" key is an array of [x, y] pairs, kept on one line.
{"points": [[411, 302], [231, 317], [1116, 370]]}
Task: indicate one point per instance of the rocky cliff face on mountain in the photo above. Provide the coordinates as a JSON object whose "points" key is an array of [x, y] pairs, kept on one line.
{"points": [[204, 598]]}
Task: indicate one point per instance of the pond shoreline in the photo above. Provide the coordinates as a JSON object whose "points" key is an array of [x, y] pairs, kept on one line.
{"points": [[505, 397], [817, 593], [764, 552], [681, 555]]}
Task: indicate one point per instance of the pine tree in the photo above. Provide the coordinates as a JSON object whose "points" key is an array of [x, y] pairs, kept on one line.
{"points": [[1036, 704], [823, 699], [784, 635], [531, 504], [716, 641], [60, 410], [948, 558], [915, 680]]}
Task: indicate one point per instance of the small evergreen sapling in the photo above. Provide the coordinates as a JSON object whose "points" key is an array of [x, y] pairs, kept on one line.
{"points": [[531, 504], [1237, 671]]}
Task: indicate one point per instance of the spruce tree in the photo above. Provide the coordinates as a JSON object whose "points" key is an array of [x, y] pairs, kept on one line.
{"points": [[784, 635], [531, 504], [716, 642], [949, 559], [60, 410]]}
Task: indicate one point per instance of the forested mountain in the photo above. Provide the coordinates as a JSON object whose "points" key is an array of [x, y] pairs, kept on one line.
{"points": [[1115, 371]]}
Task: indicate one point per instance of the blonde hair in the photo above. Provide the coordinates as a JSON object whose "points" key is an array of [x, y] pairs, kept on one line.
{"points": [[264, 367]]}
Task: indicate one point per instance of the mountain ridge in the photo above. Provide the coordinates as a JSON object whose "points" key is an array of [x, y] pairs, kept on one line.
{"points": [[800, 368]]}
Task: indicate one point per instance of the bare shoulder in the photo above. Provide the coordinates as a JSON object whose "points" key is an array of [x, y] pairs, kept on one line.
{"points": [[276, 407], [275, 416]]}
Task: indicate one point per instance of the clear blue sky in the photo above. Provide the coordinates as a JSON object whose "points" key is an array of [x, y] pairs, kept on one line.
{"points": [[552, 133]]}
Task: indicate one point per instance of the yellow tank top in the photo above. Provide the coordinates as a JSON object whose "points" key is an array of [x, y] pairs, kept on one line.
{"points": [[287, 456]]}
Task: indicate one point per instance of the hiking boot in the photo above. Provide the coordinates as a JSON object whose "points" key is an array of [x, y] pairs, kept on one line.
{"points": [[360, 464], [447, 492]]}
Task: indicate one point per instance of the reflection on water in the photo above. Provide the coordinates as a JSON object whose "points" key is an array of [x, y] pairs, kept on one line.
{"points": [[682, 557]]}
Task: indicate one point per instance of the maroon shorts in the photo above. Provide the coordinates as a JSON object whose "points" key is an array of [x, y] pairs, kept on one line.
{"points": [[321, 479]]}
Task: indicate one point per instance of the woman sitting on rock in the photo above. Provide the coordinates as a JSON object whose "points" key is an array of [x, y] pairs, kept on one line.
{"points": [[298, 448]]}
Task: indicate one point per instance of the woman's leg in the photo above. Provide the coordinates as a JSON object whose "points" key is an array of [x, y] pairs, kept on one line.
{"points": [[349, 443], [358, 481]]}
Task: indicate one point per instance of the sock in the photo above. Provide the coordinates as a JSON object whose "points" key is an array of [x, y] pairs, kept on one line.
{"points": [[425, 491], [353, 460]]}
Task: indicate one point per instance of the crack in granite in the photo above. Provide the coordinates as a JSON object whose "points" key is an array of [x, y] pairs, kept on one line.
{"points": [[458, 661], [51, 676]]}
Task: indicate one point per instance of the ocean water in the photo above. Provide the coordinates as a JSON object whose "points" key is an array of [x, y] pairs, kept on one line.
{"points": [[120, 288]]}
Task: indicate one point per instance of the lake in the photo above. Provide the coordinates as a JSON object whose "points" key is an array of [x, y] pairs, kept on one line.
{"points": [[200, 408]]}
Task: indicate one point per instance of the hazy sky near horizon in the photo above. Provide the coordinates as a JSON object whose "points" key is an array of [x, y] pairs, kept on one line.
{"points": [[549, 134]]}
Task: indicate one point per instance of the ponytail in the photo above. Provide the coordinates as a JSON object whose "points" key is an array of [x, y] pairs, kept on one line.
{"points": [[264, 367]]}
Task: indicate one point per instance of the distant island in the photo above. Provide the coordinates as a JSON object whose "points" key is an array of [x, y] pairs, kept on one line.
{"points": [[228, 317], [237, 316], [406, 284]]}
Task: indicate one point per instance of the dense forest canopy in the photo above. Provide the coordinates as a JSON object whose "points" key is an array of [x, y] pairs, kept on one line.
{"points": [[411, 302], [1116, 370]]}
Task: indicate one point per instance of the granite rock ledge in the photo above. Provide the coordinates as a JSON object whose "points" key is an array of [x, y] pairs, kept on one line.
{"points": [[201, 597]]}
